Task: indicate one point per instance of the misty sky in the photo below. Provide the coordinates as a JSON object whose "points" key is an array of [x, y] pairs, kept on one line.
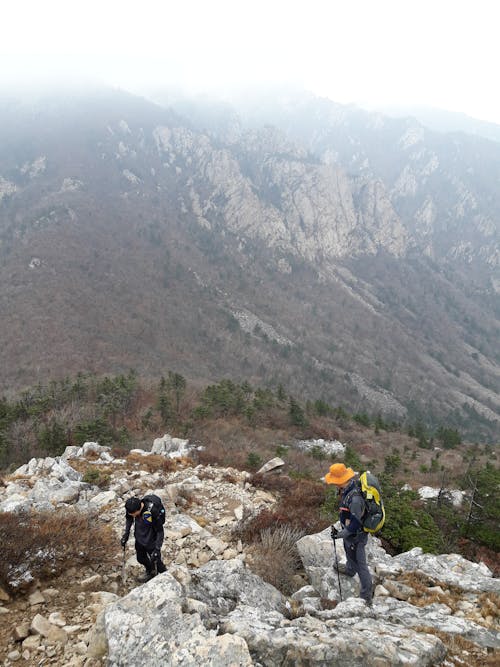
{"points": [[440, 53]]}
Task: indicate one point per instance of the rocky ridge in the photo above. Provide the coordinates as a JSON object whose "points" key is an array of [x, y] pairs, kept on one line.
{"points": [[209, 607]]}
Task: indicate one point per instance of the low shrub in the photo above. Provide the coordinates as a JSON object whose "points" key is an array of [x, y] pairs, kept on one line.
{"points": [[152, 462], [281, 483], [274, 556], [96, 477], [46, 544], [298, 507]]}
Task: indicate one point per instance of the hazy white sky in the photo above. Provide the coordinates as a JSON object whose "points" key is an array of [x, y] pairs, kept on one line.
{"points": [[441, 53]]}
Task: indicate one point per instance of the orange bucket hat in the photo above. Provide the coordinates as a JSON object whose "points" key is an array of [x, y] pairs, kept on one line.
{"points": [[339, 474]]}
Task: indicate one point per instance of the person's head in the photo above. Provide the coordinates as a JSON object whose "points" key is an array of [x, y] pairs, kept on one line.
{"points": [[133, 506], [339, 475]]}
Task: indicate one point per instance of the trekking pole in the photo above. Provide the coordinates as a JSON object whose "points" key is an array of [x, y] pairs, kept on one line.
{"points": [[123, 566], [337, 568]]}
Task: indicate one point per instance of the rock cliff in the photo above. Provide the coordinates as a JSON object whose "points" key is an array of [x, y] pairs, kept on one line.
{"points": [[367, 245]]}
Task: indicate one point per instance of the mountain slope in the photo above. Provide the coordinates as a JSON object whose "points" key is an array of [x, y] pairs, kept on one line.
{"points": [[132, 238]]}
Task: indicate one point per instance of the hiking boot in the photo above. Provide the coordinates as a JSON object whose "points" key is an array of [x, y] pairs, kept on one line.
{"points": [[145, 577], [342, 570]]}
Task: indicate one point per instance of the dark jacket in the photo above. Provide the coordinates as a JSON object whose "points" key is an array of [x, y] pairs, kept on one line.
{"points": [[148, 528], [352, 507]]}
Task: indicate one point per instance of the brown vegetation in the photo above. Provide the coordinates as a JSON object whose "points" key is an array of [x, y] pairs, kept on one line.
{"points": [[43, 545], [461, 651], [275, 558]]}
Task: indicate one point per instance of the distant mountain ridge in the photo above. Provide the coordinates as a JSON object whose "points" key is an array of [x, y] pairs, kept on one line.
{"points": [[447, 121], [362, 250]]}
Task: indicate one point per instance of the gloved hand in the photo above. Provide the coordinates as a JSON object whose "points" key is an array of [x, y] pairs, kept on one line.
{"points": [[123, 541], [334, 532], [341, 534], [155, 556]]}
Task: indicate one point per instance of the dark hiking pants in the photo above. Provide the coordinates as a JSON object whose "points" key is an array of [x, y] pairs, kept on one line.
{"points": [[144, 558], [356, 563]]}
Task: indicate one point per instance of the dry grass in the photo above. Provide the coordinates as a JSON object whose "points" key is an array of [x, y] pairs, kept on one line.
{"points": [[154, 462], [451, 595], [462, 652], [488, 603], [274, 557], [46, 544]]}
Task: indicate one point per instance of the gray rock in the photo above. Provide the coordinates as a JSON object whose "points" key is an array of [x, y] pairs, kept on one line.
{"points": [[171, 447], [92, 448], [309, 641], [223, 584], [71, 452], [36, 598], [21, 632], [56, 491], [451, 569], [148, 627], [271, 465], [16, 503], [102, 499], [398, 590], [436, 616]]}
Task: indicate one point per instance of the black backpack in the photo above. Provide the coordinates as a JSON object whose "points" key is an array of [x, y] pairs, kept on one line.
{"points": [[154, 506]]}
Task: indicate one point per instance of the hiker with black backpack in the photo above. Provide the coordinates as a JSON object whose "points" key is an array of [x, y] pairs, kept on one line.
{"points": [[351, 514], [148, 516]]}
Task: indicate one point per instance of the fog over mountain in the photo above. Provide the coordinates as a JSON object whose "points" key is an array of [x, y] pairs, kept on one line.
{"points": [[446, 121], [346, 254]]}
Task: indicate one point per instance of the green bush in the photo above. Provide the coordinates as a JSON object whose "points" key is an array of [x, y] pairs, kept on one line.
{"points": [[253, 460], [351, 459], [407, 523], [95, 430], [96, 477], [362, 418], [297, 415]]}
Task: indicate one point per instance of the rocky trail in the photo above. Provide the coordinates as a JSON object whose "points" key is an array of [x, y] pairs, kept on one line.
{"points": [[210, 608]]}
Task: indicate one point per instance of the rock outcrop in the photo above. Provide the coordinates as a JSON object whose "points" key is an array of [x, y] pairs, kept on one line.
{"points": [[209, 608]]}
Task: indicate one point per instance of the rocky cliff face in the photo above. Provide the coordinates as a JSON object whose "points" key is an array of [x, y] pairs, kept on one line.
{"points": [[209, 608], [431, 178], [370, 245]]}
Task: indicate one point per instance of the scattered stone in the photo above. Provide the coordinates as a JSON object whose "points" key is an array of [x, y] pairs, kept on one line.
{"points": [[104, 498], [92, 582], [36, 598], [4, 596], [40, 626], [217, 546], [50, 593], [398, 590], [80, 648], [56, 618], [71, 629], [21, 631], [31, 643]]}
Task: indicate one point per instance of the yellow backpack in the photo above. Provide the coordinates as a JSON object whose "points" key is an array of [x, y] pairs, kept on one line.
{"points": [[374, 516]]}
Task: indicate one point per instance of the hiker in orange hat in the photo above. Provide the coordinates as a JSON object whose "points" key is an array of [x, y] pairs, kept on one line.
{"points": [[351, 510]]}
